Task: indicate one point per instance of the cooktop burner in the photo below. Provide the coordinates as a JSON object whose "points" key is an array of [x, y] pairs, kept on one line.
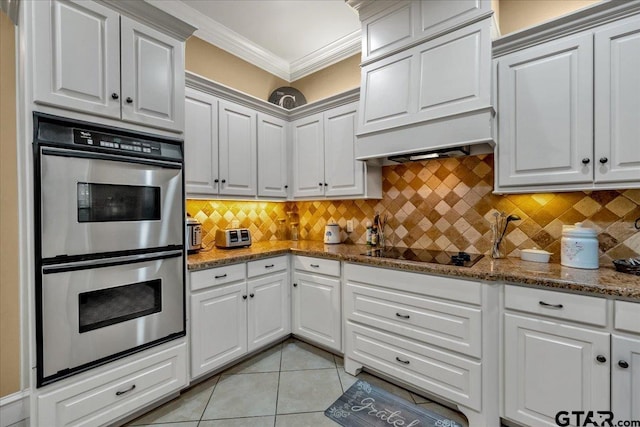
{"points": [[462, 259]]}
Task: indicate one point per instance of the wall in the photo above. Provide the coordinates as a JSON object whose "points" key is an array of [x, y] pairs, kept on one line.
{"points": [[337, 78], [449, 205], [9, 280], [515, 15], [216, 64]]}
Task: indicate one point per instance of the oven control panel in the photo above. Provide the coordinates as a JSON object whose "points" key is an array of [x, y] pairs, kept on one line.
{"points": [[116, 142]]}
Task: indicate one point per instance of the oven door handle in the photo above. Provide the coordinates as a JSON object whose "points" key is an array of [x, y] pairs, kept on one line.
{"points": [[108, 262], [50, 151]]}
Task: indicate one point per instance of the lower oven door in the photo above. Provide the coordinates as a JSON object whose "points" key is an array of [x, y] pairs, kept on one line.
{"points": [[92, 312], [98, 203]]}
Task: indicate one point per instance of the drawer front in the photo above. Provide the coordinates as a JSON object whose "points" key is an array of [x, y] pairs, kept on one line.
{"points": [[452, 377], [329, 267], [627, 316], [436, 322], [217, 276], [559, 305], [267, 265], [100, 399]]}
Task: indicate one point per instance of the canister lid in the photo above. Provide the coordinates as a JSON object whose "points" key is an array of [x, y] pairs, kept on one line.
{"points": [[577, 230]]}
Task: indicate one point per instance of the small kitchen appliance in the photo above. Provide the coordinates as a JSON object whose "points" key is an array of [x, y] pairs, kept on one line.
{"points": [[579, 247], [233, 238], [332, 234], [194, 235]]}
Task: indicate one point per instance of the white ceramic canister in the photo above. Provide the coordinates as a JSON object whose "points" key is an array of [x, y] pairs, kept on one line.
{"points": [[579, 247], [332, 233]]}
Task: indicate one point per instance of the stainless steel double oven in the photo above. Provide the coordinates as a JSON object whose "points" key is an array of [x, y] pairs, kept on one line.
{"points": [[109, 244]]}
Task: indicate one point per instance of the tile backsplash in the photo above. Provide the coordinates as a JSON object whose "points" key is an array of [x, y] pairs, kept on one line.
{"points": [[445, 204]]}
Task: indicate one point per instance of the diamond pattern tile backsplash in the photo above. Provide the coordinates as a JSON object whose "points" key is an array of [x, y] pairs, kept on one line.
{"points": [[444, 204]]}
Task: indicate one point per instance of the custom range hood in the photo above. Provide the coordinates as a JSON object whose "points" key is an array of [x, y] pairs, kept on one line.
{"points": [[425, 79]]}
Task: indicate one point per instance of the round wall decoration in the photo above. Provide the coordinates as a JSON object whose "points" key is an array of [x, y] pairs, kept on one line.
{"points": [[287, 97]]}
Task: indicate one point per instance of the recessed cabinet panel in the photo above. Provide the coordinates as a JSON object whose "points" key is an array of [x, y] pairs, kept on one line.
{"points": [[272, 156], [201, 143], [344, 175], [545, 101], [152, 79], [308, 154], [436, 15], [386, 93], [617, 102], [450, 73], [269, 309], [389, 30], [238, 154], [77, 58]]}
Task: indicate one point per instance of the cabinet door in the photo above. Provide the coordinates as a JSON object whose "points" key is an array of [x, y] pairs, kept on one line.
{"points": [[152, 77], [551, 367], [625, 378], [269, 309], [238, 154], [272, 156], [218, 327], [308, 156], [77, 56], [201, 143], [343, 173], [546, 115], [316, 309], [617, 102], [439, 15]]}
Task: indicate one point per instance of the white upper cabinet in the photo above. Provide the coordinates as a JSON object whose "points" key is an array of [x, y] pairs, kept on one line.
{"points": [[617, 102], [308, 156], [343, 173], [90, 59], [272, 156], [546, 119], [238, 156], [77, 57], [201, 143]]}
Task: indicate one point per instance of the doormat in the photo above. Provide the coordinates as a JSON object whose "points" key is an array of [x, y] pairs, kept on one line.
{"points": [[365, 405]]}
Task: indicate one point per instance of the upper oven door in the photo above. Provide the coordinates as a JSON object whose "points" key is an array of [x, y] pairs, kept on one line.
{"points": [[94, 203]]}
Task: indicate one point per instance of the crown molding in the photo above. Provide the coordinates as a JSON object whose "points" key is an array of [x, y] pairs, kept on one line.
{"points": [[343, 48], [217, 34]]}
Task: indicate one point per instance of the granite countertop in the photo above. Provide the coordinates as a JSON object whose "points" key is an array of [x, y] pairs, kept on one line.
{"points": [[605, 281]]}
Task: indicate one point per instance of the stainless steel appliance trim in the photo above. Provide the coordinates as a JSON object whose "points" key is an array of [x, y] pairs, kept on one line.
{"points": [[50, 151], [106, 262]]}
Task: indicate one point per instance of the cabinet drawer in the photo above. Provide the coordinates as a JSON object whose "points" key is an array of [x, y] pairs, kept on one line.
{"points": [[425, 367], [217, 276], [100, 399], [329, 267], [559, 305], [627, 316], [452, 326], [266, 266]]}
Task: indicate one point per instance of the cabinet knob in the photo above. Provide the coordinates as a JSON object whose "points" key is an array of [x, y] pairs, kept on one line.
{"points": [[252, 295], [601, 358], [244, 297], [216, 180], [603, 160], [114, 95], [320, 184], [586, 161], [295, 285], [623, 364], [129, 100], [286, 186], [223, 181], [326, 185]]}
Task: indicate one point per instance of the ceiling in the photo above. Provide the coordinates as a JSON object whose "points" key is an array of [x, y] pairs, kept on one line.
{"points": [[288, 38]]}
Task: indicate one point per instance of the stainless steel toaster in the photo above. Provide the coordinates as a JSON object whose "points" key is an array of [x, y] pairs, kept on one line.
{"points": [[233, 238]]}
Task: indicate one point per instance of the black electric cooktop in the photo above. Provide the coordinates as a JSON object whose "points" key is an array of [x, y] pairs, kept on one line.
{"points": [[462, 259]]}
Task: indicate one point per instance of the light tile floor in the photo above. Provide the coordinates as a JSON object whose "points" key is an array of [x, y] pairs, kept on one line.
{"points": [[288, 385]]}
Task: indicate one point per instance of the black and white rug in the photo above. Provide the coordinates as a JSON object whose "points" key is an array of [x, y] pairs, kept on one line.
{"points": [[365, 405]]}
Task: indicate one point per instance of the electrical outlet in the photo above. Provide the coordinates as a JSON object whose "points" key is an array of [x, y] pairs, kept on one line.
{"points": [[349, 226]]}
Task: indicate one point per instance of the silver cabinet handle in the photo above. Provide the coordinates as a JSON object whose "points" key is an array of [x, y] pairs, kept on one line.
{"points": [[315, 265], [120, 393], [406, 362], [403, 316], [556, 306]]}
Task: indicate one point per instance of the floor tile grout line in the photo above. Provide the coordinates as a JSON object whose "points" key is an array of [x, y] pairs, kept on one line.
{"points": [[209, 400]]}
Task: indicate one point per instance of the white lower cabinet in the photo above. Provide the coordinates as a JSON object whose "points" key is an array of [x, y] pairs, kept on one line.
{"points": [[108, 394], [427, 331], [625, 377], [316, 301], [550, 364], [231, 316]]}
